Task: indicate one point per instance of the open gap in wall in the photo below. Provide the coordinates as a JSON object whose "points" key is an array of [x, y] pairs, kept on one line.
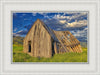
{"points": [[29, 46]]}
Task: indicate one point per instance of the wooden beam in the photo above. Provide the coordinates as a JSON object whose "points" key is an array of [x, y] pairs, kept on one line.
{"points": [[55, 48], [58, 37]]}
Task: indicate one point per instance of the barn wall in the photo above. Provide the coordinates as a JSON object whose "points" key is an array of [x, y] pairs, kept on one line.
{"points": [[29, 37], [40, 41]]}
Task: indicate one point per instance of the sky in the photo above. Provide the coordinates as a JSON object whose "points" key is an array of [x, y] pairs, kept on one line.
{"points": [[75, 22]]}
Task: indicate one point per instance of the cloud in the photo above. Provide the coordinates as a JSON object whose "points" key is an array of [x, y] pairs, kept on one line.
{"points": [[22, 15], [77, 23], [67, 21], [58, 16], [15, 29], [34, 14], [80, 32], [86, 29], [62, 21], [71, 16], [81, 35], [63, 25], [81, 16], [28, 26], [58, 29], [28, 19], [21, 32], [53, 23], [14, 34], [42, 13]]}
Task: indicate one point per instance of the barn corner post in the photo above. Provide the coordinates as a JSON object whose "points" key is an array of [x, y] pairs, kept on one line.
{"points": [[55, 47]]}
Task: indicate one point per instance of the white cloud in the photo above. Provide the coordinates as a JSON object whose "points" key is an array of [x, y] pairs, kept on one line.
{"points": [[15, 29], [27, 19], [69, 18], [34, 14], [78, 15], [21, 32], [62, 21], [58, 29], [14, 34], [22, 15], [86, 29], [42, 13], [80, 33], [58, 16], [77, 23]]}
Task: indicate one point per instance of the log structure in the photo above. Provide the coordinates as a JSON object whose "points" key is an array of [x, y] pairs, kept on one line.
{"points": [[67, 42], [42, 41]]}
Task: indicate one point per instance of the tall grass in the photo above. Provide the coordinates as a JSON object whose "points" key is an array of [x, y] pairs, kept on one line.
{"points": [[19, 56]]}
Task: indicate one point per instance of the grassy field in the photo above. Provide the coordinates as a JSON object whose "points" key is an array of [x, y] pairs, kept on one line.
{"points": [[19, 56]]}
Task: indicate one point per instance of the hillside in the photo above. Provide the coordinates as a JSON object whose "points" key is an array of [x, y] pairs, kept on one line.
{"points": [[83, 44], [18, 40]]}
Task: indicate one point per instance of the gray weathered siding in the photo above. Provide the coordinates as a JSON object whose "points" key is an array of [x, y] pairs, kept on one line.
{"points": [[41, 44]]}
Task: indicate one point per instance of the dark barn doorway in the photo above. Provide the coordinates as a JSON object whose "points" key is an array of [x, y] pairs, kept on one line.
{"points": [[29, 46], [53, 52]]}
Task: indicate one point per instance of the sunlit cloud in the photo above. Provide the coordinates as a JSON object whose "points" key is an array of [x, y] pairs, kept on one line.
{"points": [[63, 21], [77, 23]]}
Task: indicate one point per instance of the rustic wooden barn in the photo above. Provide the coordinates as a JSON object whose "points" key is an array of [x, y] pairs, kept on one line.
{"points": [[42, 41]]}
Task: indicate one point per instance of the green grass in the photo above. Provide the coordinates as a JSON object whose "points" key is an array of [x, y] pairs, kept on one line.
{"points": [[19, 56]]}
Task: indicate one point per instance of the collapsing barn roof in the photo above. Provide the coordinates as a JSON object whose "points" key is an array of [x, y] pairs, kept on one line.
{"points": [[68, 43]]}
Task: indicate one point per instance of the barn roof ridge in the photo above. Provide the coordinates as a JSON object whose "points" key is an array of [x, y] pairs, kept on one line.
{"points": [[49, 30]]}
